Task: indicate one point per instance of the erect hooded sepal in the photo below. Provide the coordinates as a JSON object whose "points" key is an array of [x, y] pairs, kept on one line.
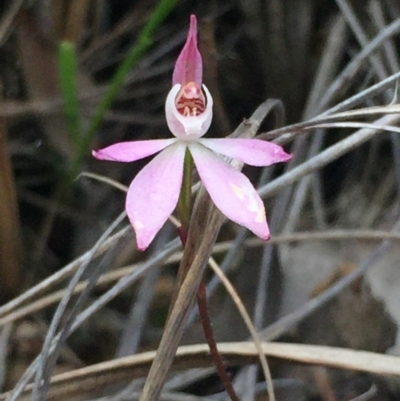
{"points": [[189, 66]]}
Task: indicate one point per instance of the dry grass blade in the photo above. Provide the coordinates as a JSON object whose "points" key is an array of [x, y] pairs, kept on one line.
{"points": [[120, 286], [221, 247], [246, 318], [5, 334], [328, 66], [90, 379], [61, 275], [346, 124], [367, 111], [8, 19], [10, 240], [104, 179], [284, 324], [326, 156], [346, 76], [333, 118], [69, 18], [377, 15], [285, 133], [62, 320]]}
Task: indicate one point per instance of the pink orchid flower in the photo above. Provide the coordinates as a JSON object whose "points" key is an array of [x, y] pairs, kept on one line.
{"points": [[154, 192]]}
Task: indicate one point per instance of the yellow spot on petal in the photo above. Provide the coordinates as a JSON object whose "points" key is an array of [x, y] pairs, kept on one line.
{"points": [[138, 225], [239, 192], [250, 202], [260, 217]]}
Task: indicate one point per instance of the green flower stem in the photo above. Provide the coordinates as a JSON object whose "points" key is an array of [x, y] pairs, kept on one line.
{"points": [[67, 72], [185, 197]]}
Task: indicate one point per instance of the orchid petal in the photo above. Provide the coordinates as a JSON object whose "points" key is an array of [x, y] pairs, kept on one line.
{"points": [[154, 193], [132, 151], [187, 127], [189, 65], [254, 152], [231, 191]]}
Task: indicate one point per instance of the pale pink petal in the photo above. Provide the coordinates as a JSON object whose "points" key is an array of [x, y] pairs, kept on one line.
{"points": [[189, 65], [231, 191], [154, 192], [254, 152], [187, 127], [133, 150]]}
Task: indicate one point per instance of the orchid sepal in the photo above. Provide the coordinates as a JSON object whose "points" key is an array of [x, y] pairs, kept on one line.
{"points": [[231, 191], [132, 150], [189, 65], [153, 194]]}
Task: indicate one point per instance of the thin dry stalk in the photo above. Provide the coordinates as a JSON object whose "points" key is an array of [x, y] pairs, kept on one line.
{"points": [[10, 238], [247, 320], [6, 23]]}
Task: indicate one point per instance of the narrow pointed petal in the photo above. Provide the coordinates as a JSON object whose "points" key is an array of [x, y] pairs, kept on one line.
{"points": [[132, 151], [231, 191], [254, 152], [154, 193], [189, 66]]}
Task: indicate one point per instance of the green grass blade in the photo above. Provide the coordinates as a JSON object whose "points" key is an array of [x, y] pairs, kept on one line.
{"points": [[67, 71], [142, 43]]}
